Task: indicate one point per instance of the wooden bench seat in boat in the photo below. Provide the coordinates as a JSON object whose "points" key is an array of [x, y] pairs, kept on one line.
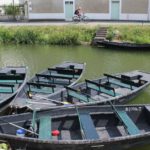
{"points": [[64, 75], [53, 77], [101, 88], [65, 71], [5, 89], [130, 125], [133, 77], [82, 97], [11, 77], [88, 126], [11, 81], [122, 84], [125, 81], [45, 128], [38, 85]]}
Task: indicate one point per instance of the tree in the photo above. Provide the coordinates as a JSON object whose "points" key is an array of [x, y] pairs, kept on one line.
{"points": [[12, 10]]}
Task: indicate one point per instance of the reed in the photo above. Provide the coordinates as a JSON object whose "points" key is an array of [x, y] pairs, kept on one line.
{"points": [[134, 34], [50, 35]]}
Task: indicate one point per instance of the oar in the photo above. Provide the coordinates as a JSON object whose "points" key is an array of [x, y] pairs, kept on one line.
{"points": [[44, 98], [32, 102], [18, 126]]}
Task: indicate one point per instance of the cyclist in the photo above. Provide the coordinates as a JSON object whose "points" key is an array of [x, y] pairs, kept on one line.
{"points": [[79, 12]]}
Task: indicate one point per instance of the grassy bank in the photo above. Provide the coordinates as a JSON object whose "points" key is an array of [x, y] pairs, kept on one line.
{"points": [[71, 35], [62, 35], [133, 34]]}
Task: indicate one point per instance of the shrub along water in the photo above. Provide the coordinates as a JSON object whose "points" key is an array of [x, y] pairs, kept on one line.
{"points": [[71, 35], [52, 35], [134, 34]]}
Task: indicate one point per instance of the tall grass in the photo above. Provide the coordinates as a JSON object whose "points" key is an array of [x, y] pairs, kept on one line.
{"points": [[71, 35], [52, 35], [134, 34]]}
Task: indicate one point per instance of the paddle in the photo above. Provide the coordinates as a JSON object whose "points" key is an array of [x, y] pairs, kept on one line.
{"points": [[44, 98], [18, 126]]}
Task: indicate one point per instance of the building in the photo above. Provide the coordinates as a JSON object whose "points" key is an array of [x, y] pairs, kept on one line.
{"points": [[94, 9]]}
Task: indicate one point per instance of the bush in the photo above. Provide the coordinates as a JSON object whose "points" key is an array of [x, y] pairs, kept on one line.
{"points": [[12, 10], [133, 34], [64, 35]]}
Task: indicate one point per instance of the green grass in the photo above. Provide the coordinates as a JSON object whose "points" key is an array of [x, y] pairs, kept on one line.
{"points": [[133, 34], [71, 34], [49, 35]]}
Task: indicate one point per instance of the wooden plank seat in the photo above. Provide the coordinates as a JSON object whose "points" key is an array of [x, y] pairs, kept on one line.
{"points": [[11, 77], [11, 81], [7, 88], [39, 85], [53, 77], [126, 120], [45, 128], [42, 91], [116, 82], [60, 82], [130, 125], [66, 71], [88, 126], [101, 88], [133, 77], [75, 94], [125, 81], [64, 75]]}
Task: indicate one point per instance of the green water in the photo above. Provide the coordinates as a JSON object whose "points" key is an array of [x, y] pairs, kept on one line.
{"points": [[98, 61]]}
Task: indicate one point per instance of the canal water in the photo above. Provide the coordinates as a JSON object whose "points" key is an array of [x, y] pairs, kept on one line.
{"points": [[98, 60]]}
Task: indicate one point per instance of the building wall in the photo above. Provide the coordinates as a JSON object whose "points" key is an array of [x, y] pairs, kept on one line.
{"points": [[47, 6], [135, 6], [94, 9], [93, 6], [134, 10]]}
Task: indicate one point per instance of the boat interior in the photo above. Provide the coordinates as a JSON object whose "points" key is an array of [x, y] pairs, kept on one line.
{"points": [[53, 79], [10, 80], [82, 124], [101, 89]]}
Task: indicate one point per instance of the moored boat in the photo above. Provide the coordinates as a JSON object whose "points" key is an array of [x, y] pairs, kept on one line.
{"points": [[86, 127], [118, 89], [52, 80], [12, 79], [123, 45]]}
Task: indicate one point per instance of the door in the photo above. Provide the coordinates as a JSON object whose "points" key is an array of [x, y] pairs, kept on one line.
{"points": [[115, 10], [69, 10]]}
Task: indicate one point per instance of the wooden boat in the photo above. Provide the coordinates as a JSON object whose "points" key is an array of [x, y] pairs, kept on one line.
{"points": [[50, 81], [123, 45], [12, 79], [118, 89], [87, 127]]}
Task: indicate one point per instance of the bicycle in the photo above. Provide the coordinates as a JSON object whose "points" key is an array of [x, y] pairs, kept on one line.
{"points": [[82, 18]]}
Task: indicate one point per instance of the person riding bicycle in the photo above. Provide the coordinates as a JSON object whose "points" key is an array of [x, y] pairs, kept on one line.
{"points": [[79, 12]]}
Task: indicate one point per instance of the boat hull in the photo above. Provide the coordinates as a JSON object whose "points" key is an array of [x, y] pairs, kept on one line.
{"points": [[117, 143]]}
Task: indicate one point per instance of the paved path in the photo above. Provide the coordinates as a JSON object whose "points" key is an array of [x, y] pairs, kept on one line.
{"points": [[52, 23]]}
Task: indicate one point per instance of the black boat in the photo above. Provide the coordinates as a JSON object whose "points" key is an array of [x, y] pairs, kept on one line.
{"points": [[118, 89], [12, 79], [52, 80], [123, 45], [86, 127]]}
